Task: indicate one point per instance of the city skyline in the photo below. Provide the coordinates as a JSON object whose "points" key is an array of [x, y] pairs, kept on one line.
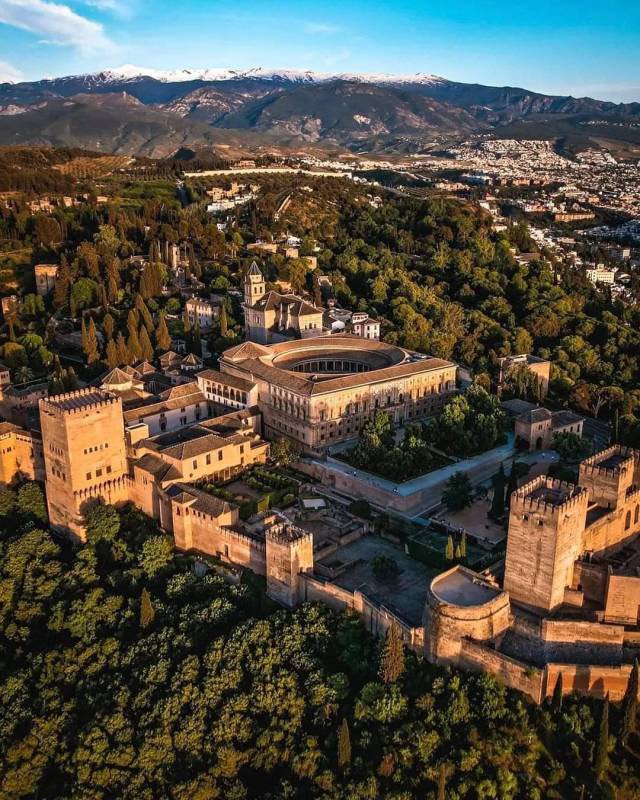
{"points": [[566, 49]]}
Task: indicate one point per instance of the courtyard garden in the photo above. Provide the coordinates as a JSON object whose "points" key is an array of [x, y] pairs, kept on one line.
{"points": [[470, 424], [257, 489]]}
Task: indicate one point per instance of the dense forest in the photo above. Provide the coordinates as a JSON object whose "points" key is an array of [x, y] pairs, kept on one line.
{"points": [[129, 672]]}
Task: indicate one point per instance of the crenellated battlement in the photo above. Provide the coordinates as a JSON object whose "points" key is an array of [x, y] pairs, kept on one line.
{"points": [[103, 487], [77, 401], [549, 495], [285, 533], [610, 462]]}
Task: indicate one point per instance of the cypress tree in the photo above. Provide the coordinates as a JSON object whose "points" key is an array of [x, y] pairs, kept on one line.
{"points": [[497, 504], [84, 338], [144, 312], [442, 782], [630, 706], [223, 321], [92, 351], [463, 545], [108, 326], [163, 337], [602, 745], [458, 553], [344, 745], [392, 657], [62, 284], [122, 350], [146, 348], [70, 380], [557, 695], [513, 483], [112, 354], [196, 344], [147, 611], [103, 296], [133, 347], [448, 553]]}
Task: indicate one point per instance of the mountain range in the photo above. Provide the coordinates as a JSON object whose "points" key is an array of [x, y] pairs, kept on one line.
{"points": [[149, 112]]}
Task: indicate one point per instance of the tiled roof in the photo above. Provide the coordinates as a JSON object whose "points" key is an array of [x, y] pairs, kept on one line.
{"points": [[273, 300], [116, 377], [535, 415], [227, 379], [199, 500]]}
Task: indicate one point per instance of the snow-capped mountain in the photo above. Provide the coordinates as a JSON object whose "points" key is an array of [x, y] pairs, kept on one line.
{"points": [[129, 72], [143, 110]]}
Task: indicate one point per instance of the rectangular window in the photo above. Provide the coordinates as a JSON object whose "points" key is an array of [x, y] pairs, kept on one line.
{"points": [[88, 476]]}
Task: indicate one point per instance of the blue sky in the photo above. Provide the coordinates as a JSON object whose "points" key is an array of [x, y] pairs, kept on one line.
{"points": [[580, 47]]}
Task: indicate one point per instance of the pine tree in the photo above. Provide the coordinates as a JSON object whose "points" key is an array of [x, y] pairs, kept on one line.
{"points": [[557, 695], [92, 351], [344, 745], [163, 337], [392, 657], [497, 505], [448, 553], [223, 321], [147, 611], [112, 354], [146, 348], [630, 706], [602, 746], [122, 350]]}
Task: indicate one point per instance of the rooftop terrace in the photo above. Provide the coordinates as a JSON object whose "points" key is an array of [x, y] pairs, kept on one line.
{"points": [[459, 587]]}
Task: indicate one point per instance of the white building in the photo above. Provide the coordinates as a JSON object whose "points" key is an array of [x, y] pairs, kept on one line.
{"points": [[204, 312]]}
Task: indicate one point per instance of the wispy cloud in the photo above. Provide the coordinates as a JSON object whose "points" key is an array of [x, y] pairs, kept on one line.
{"points": [[9, 73], [336, 57], [321, 27], [55, 24]]}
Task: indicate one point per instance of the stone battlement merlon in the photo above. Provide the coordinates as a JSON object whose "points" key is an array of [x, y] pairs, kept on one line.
{"points": [[549, 495], [79, 400], [611, 462], [286, 533]]}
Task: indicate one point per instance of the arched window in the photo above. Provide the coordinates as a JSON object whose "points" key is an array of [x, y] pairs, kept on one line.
{"points": [[636, 515], [627, 522]]}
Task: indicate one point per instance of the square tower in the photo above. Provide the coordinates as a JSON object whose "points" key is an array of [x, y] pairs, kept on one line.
{"points": [[254, 285], [84, 454], [609, 475], [546, 532], [289, 552]]}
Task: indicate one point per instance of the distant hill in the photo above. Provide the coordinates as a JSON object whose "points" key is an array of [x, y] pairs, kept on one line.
{"points": [[154, 113]]}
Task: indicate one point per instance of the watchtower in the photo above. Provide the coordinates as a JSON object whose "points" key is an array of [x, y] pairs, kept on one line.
{"points": [[609, 475], [84, 455], [546, 529], [289, 552], [254, 285]]}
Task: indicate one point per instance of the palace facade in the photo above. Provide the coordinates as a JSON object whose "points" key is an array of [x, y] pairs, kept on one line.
{"points": [[320, 391]]}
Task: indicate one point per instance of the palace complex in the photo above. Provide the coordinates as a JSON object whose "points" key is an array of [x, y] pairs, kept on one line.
{"points": [[565, 600]]}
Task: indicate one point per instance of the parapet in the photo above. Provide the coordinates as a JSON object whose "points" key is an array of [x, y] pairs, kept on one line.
{"points": [[286, 533], [548, 495], [611, 462], [78, 400]]}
